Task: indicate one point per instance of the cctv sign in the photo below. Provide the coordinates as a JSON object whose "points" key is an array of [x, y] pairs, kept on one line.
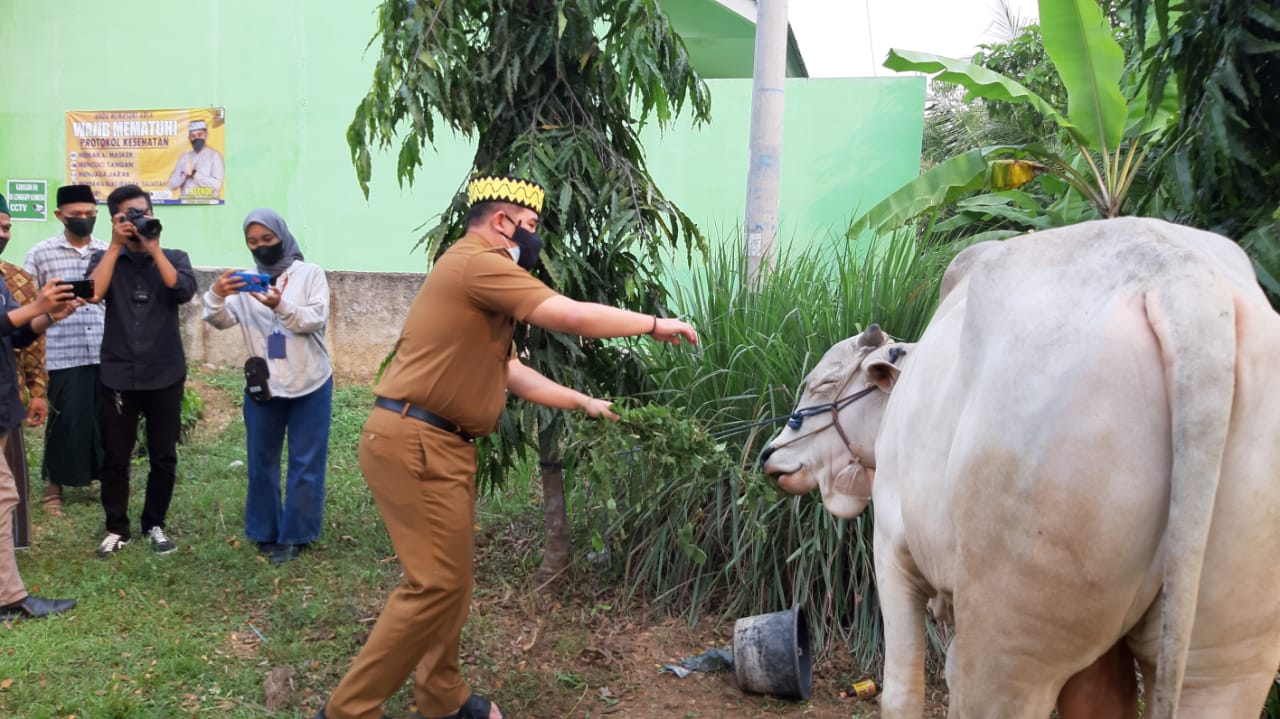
{"points": [[28, 200]]}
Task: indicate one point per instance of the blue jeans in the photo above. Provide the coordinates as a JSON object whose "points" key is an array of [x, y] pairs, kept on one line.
{"points": [[297, 519]]}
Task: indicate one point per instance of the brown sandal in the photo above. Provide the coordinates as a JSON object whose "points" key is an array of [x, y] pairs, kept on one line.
{"points": [[52, 501]]}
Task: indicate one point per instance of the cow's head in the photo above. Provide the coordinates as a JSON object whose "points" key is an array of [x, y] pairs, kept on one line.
{"points": [[829, 442]]}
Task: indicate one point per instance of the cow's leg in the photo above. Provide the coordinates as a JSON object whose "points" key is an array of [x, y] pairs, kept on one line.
{"points": [[1225, 697], [1106, 689], [902, 604], [987, 680]]}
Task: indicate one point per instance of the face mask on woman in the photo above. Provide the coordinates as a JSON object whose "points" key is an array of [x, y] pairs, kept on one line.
{"points": [[268, 254]]}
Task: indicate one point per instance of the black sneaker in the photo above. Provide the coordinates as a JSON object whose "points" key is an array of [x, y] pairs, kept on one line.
{"points": [[36, 608], [111, 544], [160, 542], [284, 553]]}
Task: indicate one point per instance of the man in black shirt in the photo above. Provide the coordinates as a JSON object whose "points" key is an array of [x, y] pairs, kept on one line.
{"points": [[143, 367]]}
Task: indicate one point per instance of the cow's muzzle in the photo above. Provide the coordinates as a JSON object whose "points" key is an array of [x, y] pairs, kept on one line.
{"points": [[764, 457]]}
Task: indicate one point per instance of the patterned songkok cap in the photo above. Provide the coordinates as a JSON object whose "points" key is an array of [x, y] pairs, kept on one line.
{"points": [[506, 189]]}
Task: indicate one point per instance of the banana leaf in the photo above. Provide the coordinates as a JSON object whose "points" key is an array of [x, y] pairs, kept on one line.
{"points": [[942, 184], [1078, 39], [978, 80]]}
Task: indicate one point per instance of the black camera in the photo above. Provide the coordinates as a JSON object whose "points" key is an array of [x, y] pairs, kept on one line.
{"points": [[148, 227]]}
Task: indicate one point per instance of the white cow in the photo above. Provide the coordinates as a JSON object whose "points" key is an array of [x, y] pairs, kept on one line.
{"points": [[1080, 457]]}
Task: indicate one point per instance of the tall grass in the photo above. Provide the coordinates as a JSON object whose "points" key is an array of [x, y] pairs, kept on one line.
{"points": [[759, 341], [704, 532]]}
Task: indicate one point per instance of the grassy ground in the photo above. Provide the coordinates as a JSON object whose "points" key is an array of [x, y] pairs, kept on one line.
{"points": [[214, 630], [195, 633]]}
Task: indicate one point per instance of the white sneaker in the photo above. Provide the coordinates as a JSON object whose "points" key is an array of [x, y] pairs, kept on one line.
{"points": [[111, 544], [160, 543]]}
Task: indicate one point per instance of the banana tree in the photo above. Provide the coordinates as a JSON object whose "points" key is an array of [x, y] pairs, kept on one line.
{"points": [[1107, 134]]}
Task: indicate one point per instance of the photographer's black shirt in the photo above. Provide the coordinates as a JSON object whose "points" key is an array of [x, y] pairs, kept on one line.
{"points": [[141, 345]]}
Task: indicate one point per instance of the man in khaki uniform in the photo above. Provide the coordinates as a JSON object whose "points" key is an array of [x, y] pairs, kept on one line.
{"points": [[446, 385]]}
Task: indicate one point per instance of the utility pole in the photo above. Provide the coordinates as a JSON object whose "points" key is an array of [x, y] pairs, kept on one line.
{"points": [[763, 175]]}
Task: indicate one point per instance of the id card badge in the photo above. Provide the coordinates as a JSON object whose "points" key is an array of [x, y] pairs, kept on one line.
{"points": [[275, 345]]}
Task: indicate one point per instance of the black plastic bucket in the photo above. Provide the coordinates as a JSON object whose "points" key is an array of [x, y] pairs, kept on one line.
{"points": [[771, 654]]}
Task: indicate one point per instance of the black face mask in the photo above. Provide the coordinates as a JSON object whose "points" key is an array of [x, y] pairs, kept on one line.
{"points": [[267, 255], [530, 245], [197, 145], [80, 226], [3, 244]]}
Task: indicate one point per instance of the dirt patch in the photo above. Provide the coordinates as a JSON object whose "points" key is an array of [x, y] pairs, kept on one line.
{"points": [[221, 406], [570, 653], [564, 662]]}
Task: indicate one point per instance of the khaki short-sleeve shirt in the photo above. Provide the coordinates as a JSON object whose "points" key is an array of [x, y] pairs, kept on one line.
{"points": [[451, 357]]}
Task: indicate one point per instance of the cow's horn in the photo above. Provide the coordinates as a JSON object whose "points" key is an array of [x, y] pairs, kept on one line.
{"points": [[872, 337]]}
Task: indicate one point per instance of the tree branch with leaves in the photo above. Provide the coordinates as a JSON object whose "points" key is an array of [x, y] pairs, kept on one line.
{"points": [[554, 91]]}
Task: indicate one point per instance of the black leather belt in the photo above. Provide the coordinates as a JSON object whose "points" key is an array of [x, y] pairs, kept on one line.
{"points": [[404, 409]]}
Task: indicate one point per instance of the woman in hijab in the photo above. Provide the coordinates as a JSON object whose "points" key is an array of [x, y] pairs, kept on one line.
{"points": [[284, 330]]}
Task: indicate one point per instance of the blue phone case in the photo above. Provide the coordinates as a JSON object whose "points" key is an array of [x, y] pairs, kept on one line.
{"points": [[254, 282]]}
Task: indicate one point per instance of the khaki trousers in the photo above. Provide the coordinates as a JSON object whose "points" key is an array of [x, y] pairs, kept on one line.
{"points": [[11, 587], [423, 480]]}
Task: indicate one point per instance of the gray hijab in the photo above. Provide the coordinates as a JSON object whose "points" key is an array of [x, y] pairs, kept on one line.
{"points": [[272, 220]]}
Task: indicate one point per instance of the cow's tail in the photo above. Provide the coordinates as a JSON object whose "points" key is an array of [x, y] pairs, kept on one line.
{"points": [[1193, 317]]}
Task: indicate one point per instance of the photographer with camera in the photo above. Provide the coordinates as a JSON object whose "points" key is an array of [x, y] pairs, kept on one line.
{"points": [[288, 383], [144, 369]]}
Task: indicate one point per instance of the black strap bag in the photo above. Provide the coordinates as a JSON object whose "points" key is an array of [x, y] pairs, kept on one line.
{"points": [[256, 375]]}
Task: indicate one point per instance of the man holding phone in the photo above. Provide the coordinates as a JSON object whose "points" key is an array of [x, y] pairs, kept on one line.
{"points": [[144, 369], [73, 451], [33, 379], [20, 326], [82, 289]]}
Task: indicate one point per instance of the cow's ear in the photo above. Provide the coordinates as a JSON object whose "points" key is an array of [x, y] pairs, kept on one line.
{"points": [[881, 369], [883, 374]]}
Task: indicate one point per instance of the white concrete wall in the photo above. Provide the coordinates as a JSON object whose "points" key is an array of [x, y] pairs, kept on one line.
{"points": [[366, 310]]}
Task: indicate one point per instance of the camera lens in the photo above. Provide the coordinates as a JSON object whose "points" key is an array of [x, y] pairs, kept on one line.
{"points": [[148, 227]]}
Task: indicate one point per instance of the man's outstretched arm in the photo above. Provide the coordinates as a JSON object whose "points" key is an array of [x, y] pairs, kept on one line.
{"points": [[530, 384]]}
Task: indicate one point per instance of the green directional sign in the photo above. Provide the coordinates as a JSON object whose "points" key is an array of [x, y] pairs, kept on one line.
{"points": [[28, 200]]}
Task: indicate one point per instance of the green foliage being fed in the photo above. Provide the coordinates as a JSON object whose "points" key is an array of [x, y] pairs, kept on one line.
{"points": [[673, 516], [672, 491]]}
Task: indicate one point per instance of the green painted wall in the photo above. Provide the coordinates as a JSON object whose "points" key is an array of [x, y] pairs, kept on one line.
{"points": [[722, 43], [846, 144], [289, 74]]}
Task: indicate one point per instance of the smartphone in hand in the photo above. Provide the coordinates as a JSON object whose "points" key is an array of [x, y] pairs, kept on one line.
{"points": [[253, 281], [81, 288]]}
